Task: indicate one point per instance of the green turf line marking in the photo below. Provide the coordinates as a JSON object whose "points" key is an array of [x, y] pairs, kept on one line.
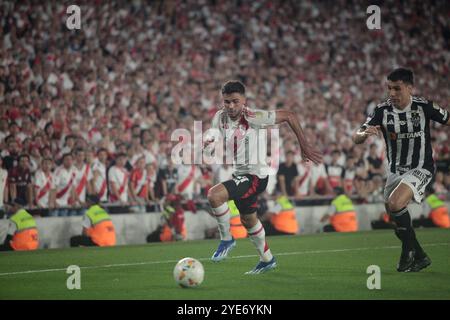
{"points": [[207, 259]]}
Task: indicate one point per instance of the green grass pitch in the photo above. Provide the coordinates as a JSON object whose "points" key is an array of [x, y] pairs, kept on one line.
{"points": [[322, 266]]}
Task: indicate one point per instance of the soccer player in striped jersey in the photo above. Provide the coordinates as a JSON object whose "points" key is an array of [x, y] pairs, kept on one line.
{"points": [[404, 121], [239, 129]]}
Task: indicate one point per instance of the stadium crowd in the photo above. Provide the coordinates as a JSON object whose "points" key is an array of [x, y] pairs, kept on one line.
{"points": [[91, 110]]}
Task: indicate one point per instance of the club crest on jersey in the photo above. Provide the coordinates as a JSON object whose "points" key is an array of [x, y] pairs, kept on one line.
{"points": [[415, 119]]}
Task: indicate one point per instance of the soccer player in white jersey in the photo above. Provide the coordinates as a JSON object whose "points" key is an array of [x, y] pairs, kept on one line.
{"points": [[238, 127], [404, 121]]}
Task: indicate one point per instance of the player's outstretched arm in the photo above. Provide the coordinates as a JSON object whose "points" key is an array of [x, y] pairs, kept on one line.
{"points": [[308, 152], [362, 134]]}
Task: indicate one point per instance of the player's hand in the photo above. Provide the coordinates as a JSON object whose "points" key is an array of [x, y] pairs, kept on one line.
{"points": [[309, 153], [372, 131]]}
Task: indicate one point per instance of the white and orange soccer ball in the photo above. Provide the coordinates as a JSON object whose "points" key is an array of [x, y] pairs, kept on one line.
{"points": [[189, 272]]}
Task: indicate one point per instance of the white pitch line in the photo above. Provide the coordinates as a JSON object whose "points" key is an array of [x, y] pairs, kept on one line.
{"points": [[207, 259]]}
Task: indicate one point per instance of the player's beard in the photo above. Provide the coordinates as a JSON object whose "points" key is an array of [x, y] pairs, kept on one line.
{"points": [[235, 115]]}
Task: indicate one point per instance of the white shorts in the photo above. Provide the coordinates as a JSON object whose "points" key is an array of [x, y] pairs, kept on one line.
{"points": [[416, 179]]}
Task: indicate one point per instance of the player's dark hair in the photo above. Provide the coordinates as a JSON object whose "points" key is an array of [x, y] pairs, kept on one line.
{"points": [[402, 74], [233, 86]]}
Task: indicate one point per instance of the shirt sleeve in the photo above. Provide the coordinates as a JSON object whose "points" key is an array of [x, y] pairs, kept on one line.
{"points": [[331, 210], [12, 228], [260, 118], [374, 119], [434, 112], [86, 223]]}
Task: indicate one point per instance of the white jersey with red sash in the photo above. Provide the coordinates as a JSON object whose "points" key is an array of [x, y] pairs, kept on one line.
{"points": [[43, 183], [243, 141], [186, 180], [100, 186], [82, 177], [304, 172], [349, 177], [335, 175], [139, 181], [63, 180], [118, 176]]}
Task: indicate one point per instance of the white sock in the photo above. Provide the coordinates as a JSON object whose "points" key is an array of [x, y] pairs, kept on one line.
{"points": [[258, 237], [222, 214]]}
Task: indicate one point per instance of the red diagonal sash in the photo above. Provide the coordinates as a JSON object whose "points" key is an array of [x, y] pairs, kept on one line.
{"points": [[43, 191], [102, 189], [83, 181], [121, 189], [66, 188], [183, 185]]}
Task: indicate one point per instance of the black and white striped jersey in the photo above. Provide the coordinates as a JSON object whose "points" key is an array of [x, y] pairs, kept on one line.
{"points": [[407, 133]]}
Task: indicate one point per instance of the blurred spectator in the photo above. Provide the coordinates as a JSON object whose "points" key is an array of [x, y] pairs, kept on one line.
{"points": [[335, 171], [303, 183], [118, 178], [82, 183], [320, 185], [188, 181], [139, 183], [375, 164], [44, 195], [63, 180], [98, 167], [10, 158], [4, 192], [166, 180], [287, 175], [19, 179], [349, 176]]}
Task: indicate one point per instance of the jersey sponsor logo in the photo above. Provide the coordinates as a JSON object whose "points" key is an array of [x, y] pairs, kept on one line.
{"points": [[407, 135]]}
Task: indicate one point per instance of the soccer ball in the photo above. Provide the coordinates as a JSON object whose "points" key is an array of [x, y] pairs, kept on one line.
{"points": [[188, 273]]}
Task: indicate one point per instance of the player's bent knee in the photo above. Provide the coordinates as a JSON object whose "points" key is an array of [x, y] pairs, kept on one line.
{"points": [[394, 204], [216, 196], [249, 221]]}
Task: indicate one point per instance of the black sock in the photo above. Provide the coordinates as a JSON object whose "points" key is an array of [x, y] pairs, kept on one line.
{"points": [[405, 232]]}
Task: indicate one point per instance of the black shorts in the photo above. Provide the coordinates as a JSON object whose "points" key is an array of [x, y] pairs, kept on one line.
{"points": [[244, 191]]}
